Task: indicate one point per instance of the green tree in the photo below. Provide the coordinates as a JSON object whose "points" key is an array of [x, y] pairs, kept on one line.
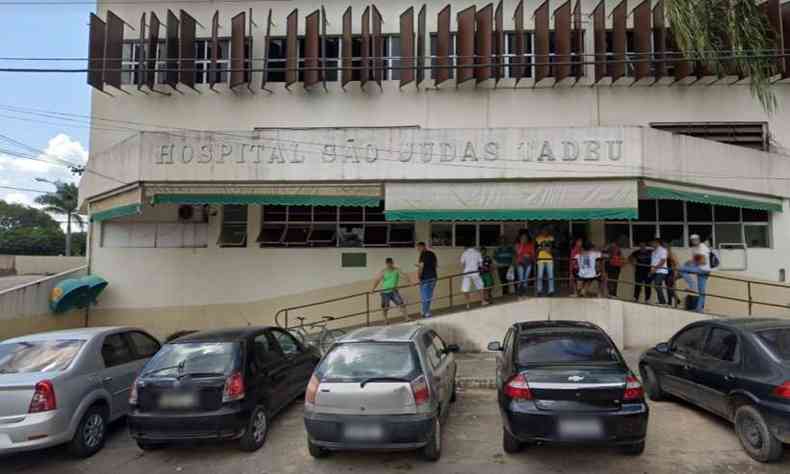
{"points": [[26, 230], [63, 201]]}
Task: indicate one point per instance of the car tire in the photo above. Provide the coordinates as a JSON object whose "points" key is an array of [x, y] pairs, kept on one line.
{"points": [[149, 445], [755, 436], [510, 444], [257, 429], [91, 433], [316, 451], [634, 449], [433, 450], [652, 383]]}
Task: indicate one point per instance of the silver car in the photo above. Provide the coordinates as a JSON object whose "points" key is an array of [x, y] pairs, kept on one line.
{"points": [[380, 388], [66, 386]]}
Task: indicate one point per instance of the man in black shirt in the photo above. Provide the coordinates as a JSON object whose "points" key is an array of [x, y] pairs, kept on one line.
{"points": [[640, 258], [426, 271]]}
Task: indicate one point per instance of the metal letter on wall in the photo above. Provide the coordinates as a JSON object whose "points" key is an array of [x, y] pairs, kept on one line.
{"points": [[292, 48], [599, 40], [577, 41], [442, 73], [406, 46], [153, 51], [659, 40], [113, 50], [171, 50], [311, 47], [422, 29], [139, 68], [96, 43], [619, 15], [348, 45], [213, 73], [517, 58], [365, 50], [642, 40], [238, 25], [499, 43], [188, 33], [484, 47], [465, 45], [378, 46], [562, 39], [542, 42]]}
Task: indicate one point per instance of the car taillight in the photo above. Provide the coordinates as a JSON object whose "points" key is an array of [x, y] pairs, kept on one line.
{"points": [[419, 388], [783, 391], [633, 389], [133, 393], [517, 388], [43, 398], [312, 390], [234, 388]]}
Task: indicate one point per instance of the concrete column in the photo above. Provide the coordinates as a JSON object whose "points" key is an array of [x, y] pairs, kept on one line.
{"points": [[598, 233], [422, 231], [254, 222]]}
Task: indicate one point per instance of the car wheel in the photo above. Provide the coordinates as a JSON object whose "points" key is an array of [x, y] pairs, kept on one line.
{"points": [[755, 436], [148, 445], [91, 433], [510, 444], [257, 428], [316, 451], [433, 450], [634, 449], [652, 383]]}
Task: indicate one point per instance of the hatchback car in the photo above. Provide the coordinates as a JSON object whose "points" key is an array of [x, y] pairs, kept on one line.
{"points": [[217, 385], [386, 388], [66, 386], [566, 382], [738, 369]]}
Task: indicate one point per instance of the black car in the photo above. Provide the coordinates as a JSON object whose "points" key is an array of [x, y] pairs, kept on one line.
{"points": [[736, 368], [218, 385], [565, 382]]}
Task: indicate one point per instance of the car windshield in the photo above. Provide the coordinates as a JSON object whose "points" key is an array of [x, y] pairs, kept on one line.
{"points": [[38, 356], [369, 360], [565, 348], [193, 358], [778, 340]]}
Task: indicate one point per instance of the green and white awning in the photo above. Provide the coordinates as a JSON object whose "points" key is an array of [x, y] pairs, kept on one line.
{"points": [[661, 190], [526, 200], [283, 195], [123, 204]]}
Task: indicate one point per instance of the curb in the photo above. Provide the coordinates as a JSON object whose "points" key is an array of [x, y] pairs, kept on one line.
{"points": [[476, 383]]}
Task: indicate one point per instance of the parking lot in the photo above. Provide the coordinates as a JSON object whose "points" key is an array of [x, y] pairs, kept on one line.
{"points": [[681, 439]]}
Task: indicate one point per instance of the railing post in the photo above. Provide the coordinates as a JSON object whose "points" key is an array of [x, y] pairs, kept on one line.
{"points": [[286, 319], [451, 291], [367, 308], [749, 293]]}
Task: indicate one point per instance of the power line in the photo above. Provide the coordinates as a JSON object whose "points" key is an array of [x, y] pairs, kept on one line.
{"points": [[28, 190]]}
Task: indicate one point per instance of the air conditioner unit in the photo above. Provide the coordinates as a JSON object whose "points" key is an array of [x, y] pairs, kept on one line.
{"points": [[192, 213]]}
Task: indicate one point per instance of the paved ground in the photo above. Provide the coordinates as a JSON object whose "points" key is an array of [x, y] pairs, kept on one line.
{"points": [[7, 282]]}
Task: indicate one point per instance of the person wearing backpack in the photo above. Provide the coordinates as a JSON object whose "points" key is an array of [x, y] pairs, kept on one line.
{"points": [[700, 265]]}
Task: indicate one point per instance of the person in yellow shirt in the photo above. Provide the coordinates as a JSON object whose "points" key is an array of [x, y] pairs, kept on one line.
{"points": [[545, 246]]}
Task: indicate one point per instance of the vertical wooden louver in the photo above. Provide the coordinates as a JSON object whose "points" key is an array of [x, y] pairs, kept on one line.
{"points": [[365, 50], [484, 46], [378, 46], [311, 47], [443, 42], [619, 15], [465, 45], [96, 44], [171, 50], [238, 25], [292, 48], [542, 42], [139, 68], [422, 30], [599, 40], [786, 39], [113, 50], [517, 58], [153, 51], [267, 53], [659, 40], [577, 41], [406, 46], [499, 43], [562, 39], [348, 45], [323, 46], [187, 46], [642, 40], [213, 67]]}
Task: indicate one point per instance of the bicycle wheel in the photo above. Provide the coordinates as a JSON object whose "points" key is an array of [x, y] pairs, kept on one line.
{"points": [[300, 334], [328, 338]]}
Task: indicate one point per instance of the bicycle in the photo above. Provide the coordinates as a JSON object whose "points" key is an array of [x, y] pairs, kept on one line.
{"points": [[322, 339]]}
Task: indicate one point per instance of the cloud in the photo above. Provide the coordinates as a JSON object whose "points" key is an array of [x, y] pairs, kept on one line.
{"points": [[47, 164], [20, 198]]}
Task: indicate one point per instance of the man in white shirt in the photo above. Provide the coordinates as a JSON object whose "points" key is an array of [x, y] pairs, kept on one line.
{"points": [[588, 264], [659, 269], [471, 260], [699, 265]]}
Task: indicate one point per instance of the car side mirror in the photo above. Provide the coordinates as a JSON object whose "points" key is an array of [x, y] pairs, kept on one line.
{"points": [[662, 348], [452, 348], [495, 346]]}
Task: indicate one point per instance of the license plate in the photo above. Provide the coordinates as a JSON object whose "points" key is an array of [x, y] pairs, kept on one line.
{"points": [[580, 428], [178, 400], [364, 432]]}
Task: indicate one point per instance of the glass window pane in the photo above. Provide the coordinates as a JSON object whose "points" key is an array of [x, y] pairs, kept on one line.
{"points": [[465, 235], [441, 235], [351, 235], [672, 234], [753, 215], [699, 212], [705, 232], [618, 233], [756, 235], [670, 210], [727, 214], [489, 235], [375, 214], [643, 233], [325, 213], [401, 235], [351, 214], [376, 234], [728, 234], [647, 210], [300, 213], [274, 213]]}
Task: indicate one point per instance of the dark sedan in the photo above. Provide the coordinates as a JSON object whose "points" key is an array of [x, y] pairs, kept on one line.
{"points": [[738, 369], [565, 382], [217, 385]]}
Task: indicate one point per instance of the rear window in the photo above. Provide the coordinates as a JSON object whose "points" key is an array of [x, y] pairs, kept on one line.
{"points": [[565, 348], [778, 340], [38, 356], [193, 358], [362, 360]]}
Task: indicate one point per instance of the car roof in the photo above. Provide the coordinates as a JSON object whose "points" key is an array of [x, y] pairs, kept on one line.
{"points": [[384, 334], [751, 324], [221, 335], [77, 333], [554, 325]]}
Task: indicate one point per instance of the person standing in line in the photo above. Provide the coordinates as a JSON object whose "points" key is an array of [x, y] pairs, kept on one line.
{"points": [[525, 255], [545, 246], [389, 278], [504, 257], [699, 265], [640, 258], [471, 261], [613, 258], [588, 265], [672, 267], [426, 273], [487, 274], [658, 269], [573, 267]]}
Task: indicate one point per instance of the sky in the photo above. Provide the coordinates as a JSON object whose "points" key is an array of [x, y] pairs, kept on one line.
{"points": [[42, 31]]}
